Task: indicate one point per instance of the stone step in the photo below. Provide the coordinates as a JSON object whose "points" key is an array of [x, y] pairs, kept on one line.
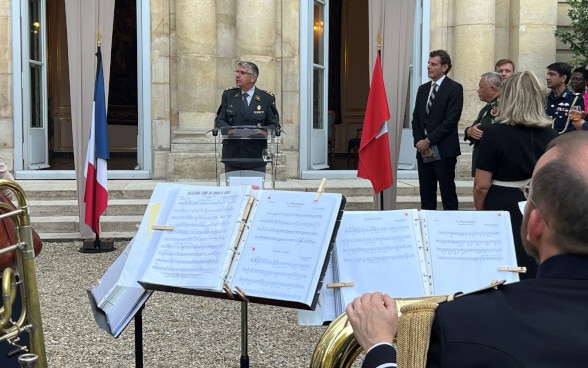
{"points": [[54, 208], [142, 189], [69, 207]]}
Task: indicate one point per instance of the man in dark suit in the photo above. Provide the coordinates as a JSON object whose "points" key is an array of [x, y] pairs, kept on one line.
{"points": [[252, 111], [434, 128], [535, 323]]}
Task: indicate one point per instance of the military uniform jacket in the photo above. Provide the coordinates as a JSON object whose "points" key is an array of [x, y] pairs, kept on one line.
{"points": [[261, 113], [538, 323], [558, 107], [486, 118]]}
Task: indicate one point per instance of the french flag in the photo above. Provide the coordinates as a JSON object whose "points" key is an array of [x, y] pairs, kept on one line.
{"points": [[96, 194]]}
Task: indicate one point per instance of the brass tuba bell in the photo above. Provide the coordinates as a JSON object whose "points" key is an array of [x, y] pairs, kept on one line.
{"points": [[337, 347], [29, 320]]}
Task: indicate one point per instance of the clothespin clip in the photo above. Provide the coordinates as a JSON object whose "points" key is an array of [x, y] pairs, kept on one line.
{"points": [[513, 269], [227, 290], [320, 189], [333, 285], [162, 227], [241, 293]]}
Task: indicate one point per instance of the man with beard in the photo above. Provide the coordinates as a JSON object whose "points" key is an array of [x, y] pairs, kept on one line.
{"points": [[537, 322]]}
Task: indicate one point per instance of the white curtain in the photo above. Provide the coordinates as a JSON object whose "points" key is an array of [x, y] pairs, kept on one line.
{"points": [[394, 19], [84, 19]]}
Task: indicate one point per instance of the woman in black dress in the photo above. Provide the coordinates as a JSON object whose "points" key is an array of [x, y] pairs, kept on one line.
{"points": [[508, 152]]}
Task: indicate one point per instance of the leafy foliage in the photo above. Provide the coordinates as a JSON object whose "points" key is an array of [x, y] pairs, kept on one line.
{"points": [[576, 35]]}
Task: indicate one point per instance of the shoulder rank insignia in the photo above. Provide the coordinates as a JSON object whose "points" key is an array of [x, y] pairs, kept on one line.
{"points": [[268, 92], [493, 285]]}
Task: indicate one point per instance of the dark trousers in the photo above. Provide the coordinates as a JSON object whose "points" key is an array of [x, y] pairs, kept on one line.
{"points": [[442, 171]]}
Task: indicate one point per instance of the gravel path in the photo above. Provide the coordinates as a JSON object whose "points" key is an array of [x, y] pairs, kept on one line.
{"points": [[178, 330]]}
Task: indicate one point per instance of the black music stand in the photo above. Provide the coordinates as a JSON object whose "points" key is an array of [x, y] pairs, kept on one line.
{"points": [[139, 337], [236, 138]]}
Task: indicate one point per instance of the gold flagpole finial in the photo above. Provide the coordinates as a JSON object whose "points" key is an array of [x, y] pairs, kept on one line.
{"points": [[99, 37], [379, 40]]}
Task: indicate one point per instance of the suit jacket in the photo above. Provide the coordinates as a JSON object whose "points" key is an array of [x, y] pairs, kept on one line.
{"points": [[261, 113], [535, 323], [441, 122]]}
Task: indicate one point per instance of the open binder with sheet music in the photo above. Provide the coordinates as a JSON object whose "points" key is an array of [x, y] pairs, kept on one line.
{"points": [[416, 253], [263, 246], [117, 297]]}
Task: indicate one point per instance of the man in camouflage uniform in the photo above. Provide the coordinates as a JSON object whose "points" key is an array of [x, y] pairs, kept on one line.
{"points": [[488, 91]]}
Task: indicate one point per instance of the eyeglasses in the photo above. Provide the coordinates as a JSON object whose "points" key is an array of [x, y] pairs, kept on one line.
{"points": [[242, 72], [526, 189]]}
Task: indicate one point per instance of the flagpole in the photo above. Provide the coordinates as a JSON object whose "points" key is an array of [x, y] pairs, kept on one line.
{"points": [[380, 197], [374, 150], [96, 192]]}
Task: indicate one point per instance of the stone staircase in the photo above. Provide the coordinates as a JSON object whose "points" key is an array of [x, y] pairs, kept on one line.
{"points": [[54, 208]]}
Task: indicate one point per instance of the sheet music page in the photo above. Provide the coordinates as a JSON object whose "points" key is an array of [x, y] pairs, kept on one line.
{"points": [[118, 304], [286, 245], [325, 309], [205, 223], [145, 241], [377, 250], [467, 247]]}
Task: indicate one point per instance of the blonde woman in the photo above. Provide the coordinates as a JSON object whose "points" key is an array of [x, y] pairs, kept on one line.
{"points": [[509, 151]]}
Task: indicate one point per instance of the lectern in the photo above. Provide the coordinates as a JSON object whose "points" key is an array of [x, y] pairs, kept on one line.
{"points": [[246, 155]]}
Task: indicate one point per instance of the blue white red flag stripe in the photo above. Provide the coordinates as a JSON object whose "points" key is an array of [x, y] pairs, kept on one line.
{"points": [[95, 171]]}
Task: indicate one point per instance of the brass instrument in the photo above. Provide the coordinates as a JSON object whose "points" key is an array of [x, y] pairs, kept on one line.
{"points": [[337, 348], [29, 320]]}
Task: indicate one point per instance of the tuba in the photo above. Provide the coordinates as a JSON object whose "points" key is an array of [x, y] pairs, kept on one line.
{"points": [[29, 320], [337, 347]]}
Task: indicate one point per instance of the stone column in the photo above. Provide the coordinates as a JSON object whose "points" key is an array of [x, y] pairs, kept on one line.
{"points": [[160, 85], [532, 41], [256, 38], [192, 153], [473, 52], [196, 64]]}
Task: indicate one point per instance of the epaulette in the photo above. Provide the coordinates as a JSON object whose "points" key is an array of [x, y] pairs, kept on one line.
{"points": [[268, 92], [230, 88], [492, 286]]}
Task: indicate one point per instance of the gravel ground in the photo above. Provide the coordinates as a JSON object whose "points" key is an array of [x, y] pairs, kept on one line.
{"points": [[178, 330]]}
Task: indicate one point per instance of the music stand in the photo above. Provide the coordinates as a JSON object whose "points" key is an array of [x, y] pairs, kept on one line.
{"points": [[260, 151]]}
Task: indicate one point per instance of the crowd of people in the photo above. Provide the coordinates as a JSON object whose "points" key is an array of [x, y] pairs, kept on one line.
{"points": [[529, 145]]}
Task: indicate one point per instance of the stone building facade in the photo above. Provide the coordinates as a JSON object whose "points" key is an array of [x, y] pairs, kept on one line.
{"points": [[194, 46]]}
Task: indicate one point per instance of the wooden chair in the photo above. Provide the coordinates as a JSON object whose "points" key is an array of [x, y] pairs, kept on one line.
{"points": [[354, 143]]}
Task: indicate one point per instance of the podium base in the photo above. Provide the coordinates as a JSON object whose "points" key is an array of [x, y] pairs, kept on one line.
{"points": [[97, 246]]}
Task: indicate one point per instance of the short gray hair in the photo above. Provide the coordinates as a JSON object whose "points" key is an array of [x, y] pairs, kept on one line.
{"points": [[250, 66], [494, 79]]}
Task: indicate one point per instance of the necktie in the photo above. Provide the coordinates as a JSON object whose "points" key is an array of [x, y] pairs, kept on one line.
{"points": [[431, 96], [245, 103]]}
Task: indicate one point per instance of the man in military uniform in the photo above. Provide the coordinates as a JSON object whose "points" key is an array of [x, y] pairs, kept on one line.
{"points": [[244, 117], [561, 99], [488, 91], [537, 322]]}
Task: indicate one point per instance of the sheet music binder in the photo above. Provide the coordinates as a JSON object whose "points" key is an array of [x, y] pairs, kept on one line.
{"points": [[268, 246], [117, 297], [417, 253]]}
